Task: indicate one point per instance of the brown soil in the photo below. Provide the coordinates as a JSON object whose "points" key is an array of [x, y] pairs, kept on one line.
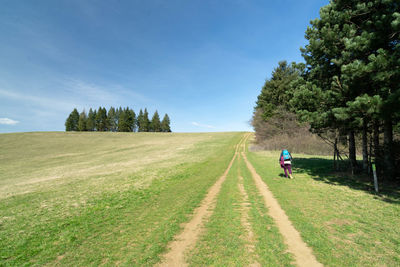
{"points": [[187, 238], [302, 253], [249, 236]]}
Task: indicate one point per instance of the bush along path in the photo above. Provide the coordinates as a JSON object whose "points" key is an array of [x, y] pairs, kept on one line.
{"points": [[239, 223]]}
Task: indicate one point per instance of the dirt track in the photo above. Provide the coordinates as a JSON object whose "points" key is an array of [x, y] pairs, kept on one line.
{"points": [[302, 253], [187, 239]]}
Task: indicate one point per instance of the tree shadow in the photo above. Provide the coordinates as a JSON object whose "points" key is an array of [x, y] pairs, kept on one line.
{"points": [[322, 170]]}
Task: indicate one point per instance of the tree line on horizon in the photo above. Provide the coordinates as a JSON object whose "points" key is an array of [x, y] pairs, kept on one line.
{"points": [[348, 89], [116, 120]]}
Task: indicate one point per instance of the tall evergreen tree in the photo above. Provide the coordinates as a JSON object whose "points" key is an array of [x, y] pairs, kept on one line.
{"points": [[118, 115], [352, 59], [125, 121], [165, 124], [101, 119], [82, 121], [132, 120], [278, 91], [112, 119], [139, 121], [322, 90], [122, 121], [145, 121], [91, 121], [273, 113], [71, 124], [155, 124]]}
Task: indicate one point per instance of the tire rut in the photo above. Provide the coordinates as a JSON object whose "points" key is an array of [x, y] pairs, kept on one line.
{"points": [[249, 236], [187, 239], [245, 209], [296, 246]]}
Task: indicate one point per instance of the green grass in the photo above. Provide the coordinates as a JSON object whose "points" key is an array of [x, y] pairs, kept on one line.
{"points": [[344, 222], [270, 247], [223, 242], [102, 198], [117, 199]]}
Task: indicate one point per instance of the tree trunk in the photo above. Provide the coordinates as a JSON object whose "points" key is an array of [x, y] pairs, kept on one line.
{"points": [[377, 152], [388, 148], [370, 155], [365, 146], [334, 154], [352, 151]]}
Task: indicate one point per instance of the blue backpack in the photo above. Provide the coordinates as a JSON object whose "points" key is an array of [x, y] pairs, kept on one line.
{"points": [[285, 154]]}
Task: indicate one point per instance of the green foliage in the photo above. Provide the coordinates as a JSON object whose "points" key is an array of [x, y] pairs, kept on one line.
{"points": [[131, 119], [278, 91], [145, 121], [102, 120], [140, 121], [127, 120], [165, 124], [112, 119], [121, 120], [71, 124], [82, 121], [155, 124], [91, 120], [350, 81], [273, 114]]}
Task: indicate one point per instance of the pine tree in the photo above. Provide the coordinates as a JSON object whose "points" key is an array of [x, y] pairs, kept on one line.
{"points": [[277, 91], [323, 94], [165, 124], [118, 113], [353, 73], [155, 124], [71, 124], [273, 114], [121, 121], [139, 121], [124, 123], [91, 121], [132, 120], [145, 121], [82, 121], [101, 119], [112, 119]]}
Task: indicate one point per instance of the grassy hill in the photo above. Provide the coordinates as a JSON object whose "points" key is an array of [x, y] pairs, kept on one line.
{"points": [[119, 198], [92, 198]]}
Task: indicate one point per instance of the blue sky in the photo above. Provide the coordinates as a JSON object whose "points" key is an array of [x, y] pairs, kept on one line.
{"points": [[203, 62]]}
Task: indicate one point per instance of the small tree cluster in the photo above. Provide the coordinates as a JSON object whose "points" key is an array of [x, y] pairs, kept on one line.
{"points": [[116, 120]]}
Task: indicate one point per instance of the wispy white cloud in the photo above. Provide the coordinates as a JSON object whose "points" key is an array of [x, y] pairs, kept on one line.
{"points": [[109, 94], [8, 121], [76, 94], [202, 125], [45, 102]]}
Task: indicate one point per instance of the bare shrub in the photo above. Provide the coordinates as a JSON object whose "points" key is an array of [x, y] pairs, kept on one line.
{"points": [[284, 131]]}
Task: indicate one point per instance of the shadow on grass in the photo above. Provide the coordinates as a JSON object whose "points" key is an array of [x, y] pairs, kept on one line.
{"points": [[283, 175], [322, 170]]}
